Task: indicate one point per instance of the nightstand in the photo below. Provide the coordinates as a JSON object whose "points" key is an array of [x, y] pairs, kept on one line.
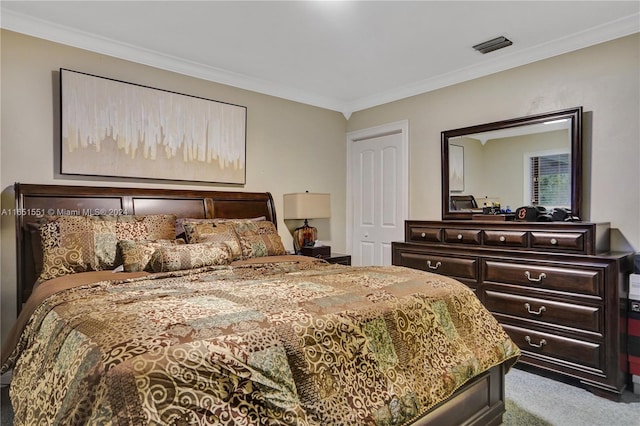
{"points": [[342, 259]]}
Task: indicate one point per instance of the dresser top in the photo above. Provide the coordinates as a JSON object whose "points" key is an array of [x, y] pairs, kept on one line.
{"points": [[570, 237], [505, 224]]}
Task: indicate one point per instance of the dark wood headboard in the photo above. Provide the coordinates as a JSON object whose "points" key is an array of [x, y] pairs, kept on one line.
{"points": [[34, 201]]}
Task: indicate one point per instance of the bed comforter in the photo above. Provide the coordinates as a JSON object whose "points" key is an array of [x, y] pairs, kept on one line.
{"points": [[287, 342]]}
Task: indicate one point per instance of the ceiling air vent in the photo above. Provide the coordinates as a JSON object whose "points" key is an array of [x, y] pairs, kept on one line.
{"points": [[491, 45]]}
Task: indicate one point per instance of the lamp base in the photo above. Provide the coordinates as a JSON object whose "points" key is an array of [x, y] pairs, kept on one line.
{"points": [[304, 236]]}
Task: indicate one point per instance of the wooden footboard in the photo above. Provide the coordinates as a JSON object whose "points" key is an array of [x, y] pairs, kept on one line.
{"points": [[479, 402]]}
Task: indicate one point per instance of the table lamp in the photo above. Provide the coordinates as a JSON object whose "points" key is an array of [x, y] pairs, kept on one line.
{"points": [[306, 205]]}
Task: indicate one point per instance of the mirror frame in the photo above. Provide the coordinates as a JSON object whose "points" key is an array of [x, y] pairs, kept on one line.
{"points": [[575, 126]]}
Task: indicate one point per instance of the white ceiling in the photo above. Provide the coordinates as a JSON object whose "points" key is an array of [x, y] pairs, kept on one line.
{"points": [[341, 55]]}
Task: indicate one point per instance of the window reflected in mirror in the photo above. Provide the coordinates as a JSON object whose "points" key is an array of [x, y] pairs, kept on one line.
{"points": [[548, 180]]}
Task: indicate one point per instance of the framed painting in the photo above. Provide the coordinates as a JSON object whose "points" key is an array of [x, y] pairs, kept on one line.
{"points": [[117, 129], [456, 168]]}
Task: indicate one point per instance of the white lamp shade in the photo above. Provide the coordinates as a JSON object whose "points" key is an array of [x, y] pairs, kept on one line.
{"points": [[307, 205]]}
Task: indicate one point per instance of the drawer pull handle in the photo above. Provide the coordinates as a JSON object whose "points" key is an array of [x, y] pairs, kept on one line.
{"points": [[535, 280], [539, 345], [436, 266], [538, 312], [423, 235], [553, 242], [459, 236], [503, 238]]}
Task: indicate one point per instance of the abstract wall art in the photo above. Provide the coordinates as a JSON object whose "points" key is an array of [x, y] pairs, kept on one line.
{"points": [[116, 129]]}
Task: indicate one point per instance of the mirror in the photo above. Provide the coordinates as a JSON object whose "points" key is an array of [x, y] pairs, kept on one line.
{"points": [[534, 160]]}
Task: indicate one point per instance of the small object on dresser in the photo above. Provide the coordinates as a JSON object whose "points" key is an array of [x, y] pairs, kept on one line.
{"points": [[492, 217], [322, 251]]}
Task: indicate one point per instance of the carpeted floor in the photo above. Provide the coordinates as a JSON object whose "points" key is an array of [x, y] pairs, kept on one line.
{"points": [[518, 416], [6, 413], [532, 400]]}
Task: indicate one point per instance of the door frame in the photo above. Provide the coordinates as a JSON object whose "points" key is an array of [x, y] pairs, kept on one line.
{"points": [[401, 127]]}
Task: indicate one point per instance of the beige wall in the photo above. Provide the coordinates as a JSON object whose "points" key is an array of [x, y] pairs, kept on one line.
{"points": [[291, 147], [604, 79]]}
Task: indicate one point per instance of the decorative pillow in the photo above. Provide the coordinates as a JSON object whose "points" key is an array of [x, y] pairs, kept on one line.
{"points": [[258, 239], [84, 243], [33, 229], [66, 247], [108, 230], [137, 254], [209, 232], [252, 219], [180, 231], [189, 256]]}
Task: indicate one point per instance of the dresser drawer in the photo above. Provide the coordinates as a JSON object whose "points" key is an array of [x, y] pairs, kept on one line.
{"points": [[588, 318], [565, 241], [506, 238], [463, 236], [554, 346], [457, 267], [422, 234], [573, 280]]}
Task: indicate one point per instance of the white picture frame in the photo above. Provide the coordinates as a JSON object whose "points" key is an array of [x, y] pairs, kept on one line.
{"points": [[456, 168]]}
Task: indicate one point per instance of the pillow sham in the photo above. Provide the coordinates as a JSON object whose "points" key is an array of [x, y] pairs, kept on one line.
{"points": [[189, 256], [66, 247], [83, 243], [258, 239], [136, 255], [180, 231], [251, 219], [210, 232]]}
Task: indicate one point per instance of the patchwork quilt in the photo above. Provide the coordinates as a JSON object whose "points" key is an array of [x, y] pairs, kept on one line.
{"points": [[262, 343]]}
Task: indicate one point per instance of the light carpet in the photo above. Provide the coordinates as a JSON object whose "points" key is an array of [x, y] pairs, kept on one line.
{"points": [[534, 400]]}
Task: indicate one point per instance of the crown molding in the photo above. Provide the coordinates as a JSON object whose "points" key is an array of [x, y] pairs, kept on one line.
{"points": [[61, 34], [71, 37]]}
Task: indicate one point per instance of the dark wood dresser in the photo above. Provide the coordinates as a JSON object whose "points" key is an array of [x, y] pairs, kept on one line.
{"points": [[555, 288]]}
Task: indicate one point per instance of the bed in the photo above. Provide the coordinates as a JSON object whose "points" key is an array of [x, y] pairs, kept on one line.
{"points": [[198, 329]]}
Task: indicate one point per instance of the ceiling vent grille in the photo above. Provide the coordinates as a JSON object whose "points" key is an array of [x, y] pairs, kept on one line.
{"points": [[491, 45]]}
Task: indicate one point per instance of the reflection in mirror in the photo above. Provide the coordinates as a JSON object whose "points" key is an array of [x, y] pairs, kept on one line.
{"points": [[527, 161]]}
